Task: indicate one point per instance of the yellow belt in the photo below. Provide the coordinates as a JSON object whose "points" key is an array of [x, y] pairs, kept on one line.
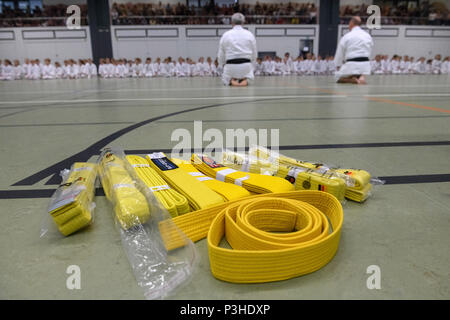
{"points": [[70, 206], [357, 181], [301, 177], [198, 194], [258, 254], [227, 190], [256, 183], [173, 201], [130, 204]]}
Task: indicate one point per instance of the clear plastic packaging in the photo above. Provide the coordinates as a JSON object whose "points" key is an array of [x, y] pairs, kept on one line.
{"points": [[159, 271], [71, 206], [353, 184]]}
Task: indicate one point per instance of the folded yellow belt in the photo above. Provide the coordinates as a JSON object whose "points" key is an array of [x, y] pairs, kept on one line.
{"points": [[70, 206], [227, 190], [130, 205], [198, 194], [173, 201], [256, 183], [259, 254]]}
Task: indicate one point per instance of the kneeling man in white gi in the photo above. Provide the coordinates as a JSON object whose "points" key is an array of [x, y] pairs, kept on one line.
{"points": [[353, 53], [237, 52]]}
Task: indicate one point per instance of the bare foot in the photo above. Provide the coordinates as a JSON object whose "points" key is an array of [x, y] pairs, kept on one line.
{"points": [[362, 80]]}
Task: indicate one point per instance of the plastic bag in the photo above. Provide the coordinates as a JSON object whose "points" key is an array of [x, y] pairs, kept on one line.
{"points": [[71, 206], [159, 271]]}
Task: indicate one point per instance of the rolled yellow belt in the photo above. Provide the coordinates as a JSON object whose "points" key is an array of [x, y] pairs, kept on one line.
{"points": [[357, 180], [258, 254], [130, 204], [173, 201], [70, 207], [198, 194], [302, 178], [256, 183], [227, 190]]}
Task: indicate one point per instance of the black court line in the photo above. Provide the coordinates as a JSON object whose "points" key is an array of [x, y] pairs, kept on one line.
{"points": [[94, 148], [311, 146], [390, 180]]}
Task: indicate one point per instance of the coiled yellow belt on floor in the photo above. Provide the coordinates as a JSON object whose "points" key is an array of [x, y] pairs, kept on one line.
{"points": [[130, 205], [70, 207], [198, 195], [175, 203], [259, 255], [256, 183], [227, 190]]}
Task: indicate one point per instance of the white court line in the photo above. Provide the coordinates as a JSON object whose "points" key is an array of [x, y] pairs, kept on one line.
{"points": [[172, 99], [412, 94], [223, 88]]}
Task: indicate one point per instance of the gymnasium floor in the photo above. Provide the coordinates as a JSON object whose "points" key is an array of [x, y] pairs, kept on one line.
{"points": [[397, 127]]}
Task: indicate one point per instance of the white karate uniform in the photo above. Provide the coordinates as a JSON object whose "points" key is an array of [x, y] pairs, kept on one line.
{"points": [[110, 70], [59, 72], [35, 72], [156, 69], [67, 71], [331, 67], [237, 43], [25, 69], [289, 66], [48, 72], [376, 67], [164, 70], [395, 67], [308, 67], [7, 73], [92, 70], [354, 44], [436, 66], [258, 69], [445, 67], [101, 70], [139, 68], [18, 72], [385, 66], [213, 70], [267, 68], [148, 70], [74, 71], [420, 67], [121, 71]]}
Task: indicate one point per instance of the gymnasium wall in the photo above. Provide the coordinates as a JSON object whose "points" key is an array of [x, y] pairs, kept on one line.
{"points": [[415, 41], [195, 41], [58, 43]]}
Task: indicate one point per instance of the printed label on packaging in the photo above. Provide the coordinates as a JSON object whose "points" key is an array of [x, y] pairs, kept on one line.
{"points": [[211, 163], [162, 162], [65, 197]]}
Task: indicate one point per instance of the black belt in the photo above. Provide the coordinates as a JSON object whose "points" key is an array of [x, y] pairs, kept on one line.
{"points": [[238, 61], [358, 59]]}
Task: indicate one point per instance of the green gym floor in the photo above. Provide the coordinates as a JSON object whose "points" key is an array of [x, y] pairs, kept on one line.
{"points": [[397, 128]]}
